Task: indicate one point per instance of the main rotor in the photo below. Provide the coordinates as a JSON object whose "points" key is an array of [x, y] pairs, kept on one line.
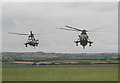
{"points": [[76, 29], [31, 33]]}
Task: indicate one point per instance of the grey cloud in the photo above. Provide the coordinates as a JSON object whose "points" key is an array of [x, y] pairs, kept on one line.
{"points": [[45, 17]]}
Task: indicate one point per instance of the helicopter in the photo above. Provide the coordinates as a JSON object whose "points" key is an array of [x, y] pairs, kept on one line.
{"points": [[83, 38], [31, 39]]}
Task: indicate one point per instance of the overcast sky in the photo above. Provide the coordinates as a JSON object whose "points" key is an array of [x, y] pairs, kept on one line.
{"points": [[44, 17]]}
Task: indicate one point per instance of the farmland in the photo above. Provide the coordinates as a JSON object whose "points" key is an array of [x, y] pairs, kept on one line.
{"points": [[42, 66], [59, 58]]}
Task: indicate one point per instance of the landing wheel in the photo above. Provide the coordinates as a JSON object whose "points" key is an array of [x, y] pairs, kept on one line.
{"points": [[90, 43], [76, 44], [25, 44], [37, 44]]}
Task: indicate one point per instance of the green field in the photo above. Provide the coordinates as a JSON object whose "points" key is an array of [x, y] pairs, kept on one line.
{"points": [[61, 74]]}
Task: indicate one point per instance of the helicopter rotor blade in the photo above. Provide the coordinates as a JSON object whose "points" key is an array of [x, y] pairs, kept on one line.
{"points": [[93, 30], [67, 29], [73, 28], [17, 33], [44, 33]]}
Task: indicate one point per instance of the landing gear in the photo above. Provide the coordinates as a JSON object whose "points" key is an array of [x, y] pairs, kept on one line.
{"points": [[36, 44], [90, 43], [25, 44], [76, 43]]}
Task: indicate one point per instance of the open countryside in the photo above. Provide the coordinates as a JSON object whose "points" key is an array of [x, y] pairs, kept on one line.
{"points": [[40, 66]]}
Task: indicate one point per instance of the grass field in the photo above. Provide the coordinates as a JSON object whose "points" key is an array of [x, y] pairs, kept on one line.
{"points": [[61, 74]]}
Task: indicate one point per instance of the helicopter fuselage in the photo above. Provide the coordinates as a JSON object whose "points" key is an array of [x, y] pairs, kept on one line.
{"points": [[32, 43], [83, 40]]}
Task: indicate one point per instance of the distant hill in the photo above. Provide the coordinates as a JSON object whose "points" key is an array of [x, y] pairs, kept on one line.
{"points": [[42, 56]]}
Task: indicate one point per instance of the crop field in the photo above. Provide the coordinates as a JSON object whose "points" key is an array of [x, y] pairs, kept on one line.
{"points": [[61, 74]]}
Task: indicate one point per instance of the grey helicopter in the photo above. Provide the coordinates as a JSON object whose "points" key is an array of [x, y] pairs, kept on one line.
{"points": [[83, 38], [31, 41]]}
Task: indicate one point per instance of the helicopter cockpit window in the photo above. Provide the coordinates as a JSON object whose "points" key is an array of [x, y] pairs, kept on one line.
{"points": [[83, 36]]}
